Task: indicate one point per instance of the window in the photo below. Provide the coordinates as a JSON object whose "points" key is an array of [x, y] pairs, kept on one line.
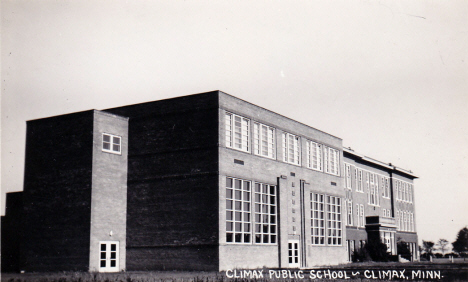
{"points": [[358, 216], [238, 211], [356, 182], [362, 219], [350, 213], [334, 221], [314, 155], [108, 256], [348, 176], [398, 219], [372, 189], [411, 193], [385, 187], [331, 161], [377, 191], [317, 219], [293, 253], [291, 149], [265, 213], [237, 132], [111, 143], [359, 187], [264, 140]]}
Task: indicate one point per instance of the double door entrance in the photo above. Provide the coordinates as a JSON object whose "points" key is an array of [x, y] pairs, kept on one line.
{"points": [[108, 256]]}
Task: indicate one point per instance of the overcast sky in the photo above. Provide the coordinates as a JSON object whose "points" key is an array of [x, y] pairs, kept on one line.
{"points": [[388, 77]]}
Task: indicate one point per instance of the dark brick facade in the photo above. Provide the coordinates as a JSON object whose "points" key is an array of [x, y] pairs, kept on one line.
{"points": [[11, 227], [57, 193], [172, 215]]}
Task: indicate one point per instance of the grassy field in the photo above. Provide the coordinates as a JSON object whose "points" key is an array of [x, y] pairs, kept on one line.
{"points": [[418, 271]]}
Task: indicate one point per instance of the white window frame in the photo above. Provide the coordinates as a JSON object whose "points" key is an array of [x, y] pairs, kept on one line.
{"points": [[291, 143], [293, 253], [355, 177], [359, 187], [318, 219], [314, 155], [244, 220], [112, 144], [348, 176], [349, 212], [264, 142], [363, 219], [265, 211], [108, 256], [235, 133], [334, 159], [334, 221]]}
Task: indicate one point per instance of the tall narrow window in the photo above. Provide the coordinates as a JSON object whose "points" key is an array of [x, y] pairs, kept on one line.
{"points": [[238, 211], [314, 155], [411, 193], [334, 228], [356, 180], [264, 140], [348, 176], [265, 213], [317, 218], [350, 212], [237, 132], [334, 161], [377, 192], [359, 188], [111, 143], [358, 216], [291, 149], [368, 186], [363, 219], [397, 219]]}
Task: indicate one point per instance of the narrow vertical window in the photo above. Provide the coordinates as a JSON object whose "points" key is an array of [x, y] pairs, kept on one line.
{"points": [[291, 149], [348, 176], [111, 143], [363, 220], [350, 212], [368, 187], [238, 211], [237, 132], [264, 140], [334, 220], [265, 213], [334, 161], [359, 189], [358, 216], [398, 219], [314, 155], [317, 218], [355, 178]]}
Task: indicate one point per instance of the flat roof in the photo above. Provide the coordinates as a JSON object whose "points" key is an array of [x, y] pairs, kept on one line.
{"points": [[388, 166]]}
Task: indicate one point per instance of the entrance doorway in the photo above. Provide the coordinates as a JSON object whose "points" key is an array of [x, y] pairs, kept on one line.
{"points": [[108, 256], [293, 253]]}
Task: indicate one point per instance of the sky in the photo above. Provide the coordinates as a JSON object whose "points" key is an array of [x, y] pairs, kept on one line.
{"points": [[388, 77]]}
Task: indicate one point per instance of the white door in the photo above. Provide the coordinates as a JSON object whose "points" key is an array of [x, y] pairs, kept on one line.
{"points": [[293, 253], [108, 256]]}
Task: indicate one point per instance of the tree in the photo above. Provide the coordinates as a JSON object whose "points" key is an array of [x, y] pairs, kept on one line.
{"points": [[461, 243], [428, 247], [442, 243], [377, 250], [402, 248]]}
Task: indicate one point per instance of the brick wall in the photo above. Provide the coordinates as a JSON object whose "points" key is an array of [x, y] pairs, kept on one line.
{"points": [[57, 193], [172, 183]]}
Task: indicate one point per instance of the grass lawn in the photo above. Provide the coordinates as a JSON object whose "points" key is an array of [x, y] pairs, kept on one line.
{"points": [[368, 271]]}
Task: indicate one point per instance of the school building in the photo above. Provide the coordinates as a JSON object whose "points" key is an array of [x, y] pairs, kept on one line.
{"points": [[199, 182]]}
